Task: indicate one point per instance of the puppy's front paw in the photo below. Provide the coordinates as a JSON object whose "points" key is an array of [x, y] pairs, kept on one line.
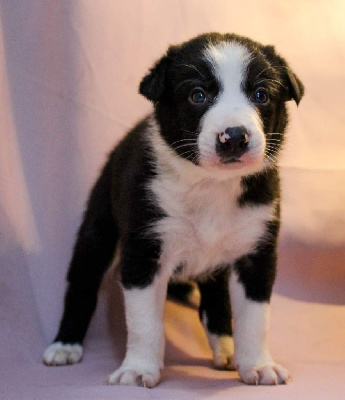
{"points": [[135, 376], [267, 374], [60, 353]]}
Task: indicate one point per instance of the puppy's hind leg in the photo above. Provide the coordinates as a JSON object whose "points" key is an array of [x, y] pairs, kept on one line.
{"points": [[215, 315], [93, 253]]}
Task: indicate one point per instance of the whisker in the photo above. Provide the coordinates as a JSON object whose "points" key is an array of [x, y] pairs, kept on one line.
{"points": [[187, 152], [193, 133], [271, 157], [195, 158], [277, 143], [184, 145], [264, 70], [184, 140], [272, 152], [192, 155], [269, 160], [273, 66], [195, 81], [192, 67], [272, 148], [268, 79]]}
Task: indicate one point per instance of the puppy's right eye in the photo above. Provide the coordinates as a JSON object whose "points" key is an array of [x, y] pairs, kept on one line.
{"points": [[197, 96]]}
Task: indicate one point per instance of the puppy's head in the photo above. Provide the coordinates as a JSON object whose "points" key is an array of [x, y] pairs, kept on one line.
{"points": [[220, 101]]}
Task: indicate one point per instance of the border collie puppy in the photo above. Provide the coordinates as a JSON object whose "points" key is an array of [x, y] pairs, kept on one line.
{"points": [[191, 194]]}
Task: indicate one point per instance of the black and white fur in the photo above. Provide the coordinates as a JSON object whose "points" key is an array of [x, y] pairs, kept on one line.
{"points": [[191, 193]]}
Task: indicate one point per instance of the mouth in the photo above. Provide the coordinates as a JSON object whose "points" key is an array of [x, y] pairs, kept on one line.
{"points": [[231, 160], [244, 162]]}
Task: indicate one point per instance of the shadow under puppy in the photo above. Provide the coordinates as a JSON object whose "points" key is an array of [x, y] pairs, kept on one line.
{"points": [[191, 193]]}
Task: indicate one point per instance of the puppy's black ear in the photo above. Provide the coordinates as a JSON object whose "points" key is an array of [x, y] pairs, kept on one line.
{"points": [[152, 85], [294, 87]]}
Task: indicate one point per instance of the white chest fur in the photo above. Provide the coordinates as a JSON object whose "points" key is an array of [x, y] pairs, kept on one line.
{"points": [[204, 226]]}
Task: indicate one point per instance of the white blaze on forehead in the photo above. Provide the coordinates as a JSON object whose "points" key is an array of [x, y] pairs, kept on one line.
{"points": [[229, 61], [232, 107]]}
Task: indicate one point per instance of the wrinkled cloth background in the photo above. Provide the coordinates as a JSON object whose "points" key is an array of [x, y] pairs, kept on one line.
{"points": [[69, 73]]}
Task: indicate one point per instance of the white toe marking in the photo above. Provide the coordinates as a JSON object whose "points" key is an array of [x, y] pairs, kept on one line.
{"points": [[194, 297], [269, 374], [223, 351], [135, 376], [62, 354], [222, 347]]}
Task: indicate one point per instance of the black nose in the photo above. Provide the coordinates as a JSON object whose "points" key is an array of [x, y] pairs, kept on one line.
{"points": [[232, 144]]}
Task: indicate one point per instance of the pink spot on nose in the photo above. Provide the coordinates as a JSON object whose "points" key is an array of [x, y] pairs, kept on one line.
{"points": [[223, 137]]}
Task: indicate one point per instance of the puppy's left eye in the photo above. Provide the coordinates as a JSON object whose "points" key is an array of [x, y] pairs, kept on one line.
{"points": [[261, 96], [197, 96]]}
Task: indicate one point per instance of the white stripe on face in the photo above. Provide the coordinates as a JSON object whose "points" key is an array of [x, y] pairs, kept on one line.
{"points": [[232, 108]]}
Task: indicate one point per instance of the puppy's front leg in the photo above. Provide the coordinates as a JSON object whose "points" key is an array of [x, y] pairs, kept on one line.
{"points": [[250, 289], [145, 341]]}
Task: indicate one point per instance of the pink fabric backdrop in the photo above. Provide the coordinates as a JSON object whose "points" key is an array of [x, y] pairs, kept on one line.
{"points": [[69, 72]]}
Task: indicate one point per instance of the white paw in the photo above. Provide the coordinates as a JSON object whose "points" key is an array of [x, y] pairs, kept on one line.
{"points": [[223, 352], [62, 354], [267, 374], [135, 376]]}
